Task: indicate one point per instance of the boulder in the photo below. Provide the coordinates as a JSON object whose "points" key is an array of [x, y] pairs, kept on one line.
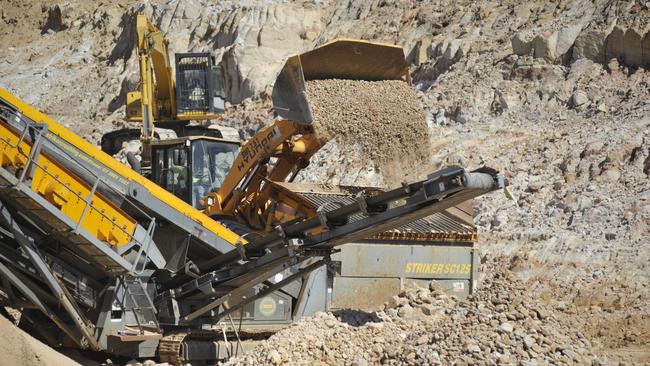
{"points": [[473, 348], [421, 52], [506, 100], [522, 12], [590, 44], [579, 98], [405, 311], [520, 44], [274, 357], [439, 48], [456, 49], [565, 39], [56, 20], [507, 327], [427, 309], [545, 46], [611, 174]]}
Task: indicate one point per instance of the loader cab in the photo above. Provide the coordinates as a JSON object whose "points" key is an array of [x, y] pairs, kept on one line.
{"points": [[191, 167]]}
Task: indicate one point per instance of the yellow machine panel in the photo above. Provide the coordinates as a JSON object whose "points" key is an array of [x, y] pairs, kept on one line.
{"points": [[67, 192], [119, 171]]}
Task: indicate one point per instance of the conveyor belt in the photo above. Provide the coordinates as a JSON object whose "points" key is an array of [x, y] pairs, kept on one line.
{"points": [[437, 227], [60, 204], [49, 218], [234, 273], [85, 163]]}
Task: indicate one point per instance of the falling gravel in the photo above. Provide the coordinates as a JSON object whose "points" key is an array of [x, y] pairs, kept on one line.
{"points": [[382, 120]]}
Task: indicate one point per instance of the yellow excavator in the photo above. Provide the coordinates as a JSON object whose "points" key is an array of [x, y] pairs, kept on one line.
{"points": [[166, 104]]}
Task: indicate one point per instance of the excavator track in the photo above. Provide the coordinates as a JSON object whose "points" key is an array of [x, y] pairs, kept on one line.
{"points": [[169, 349], [170, 346]]}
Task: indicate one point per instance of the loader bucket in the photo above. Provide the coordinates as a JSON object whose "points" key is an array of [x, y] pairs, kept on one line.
{"points": [[338, 59]]}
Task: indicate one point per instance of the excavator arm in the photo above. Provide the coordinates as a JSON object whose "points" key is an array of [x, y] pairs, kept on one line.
{"points": [[155, 100], [290, 143]]}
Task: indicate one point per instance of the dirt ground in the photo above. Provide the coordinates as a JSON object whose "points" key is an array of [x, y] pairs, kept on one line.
{"points": [[20, 348]]}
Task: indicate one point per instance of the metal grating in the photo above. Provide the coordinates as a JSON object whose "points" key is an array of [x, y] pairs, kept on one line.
{"points": [[437, 227], [193, 84]]}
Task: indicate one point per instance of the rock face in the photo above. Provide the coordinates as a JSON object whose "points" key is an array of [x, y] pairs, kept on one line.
{"points": [[545, 46], [251, 42], [615, 43], [565, 40], [590, 44], [572, 43], [632, 48], [551, 46], [521, 45]]}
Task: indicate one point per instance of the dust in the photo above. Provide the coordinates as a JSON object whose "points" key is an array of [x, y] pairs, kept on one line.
{"points": [[383, 120]]}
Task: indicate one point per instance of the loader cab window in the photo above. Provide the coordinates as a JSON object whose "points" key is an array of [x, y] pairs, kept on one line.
{"points": [[171, 171], [211, 161]]}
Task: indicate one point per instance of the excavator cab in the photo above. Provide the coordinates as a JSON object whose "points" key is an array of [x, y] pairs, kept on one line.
{"points": [[199, 92], [191, 167]]}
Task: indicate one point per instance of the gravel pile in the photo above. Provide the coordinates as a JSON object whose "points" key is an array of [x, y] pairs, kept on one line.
{"points": [[373, 122], [500, 324]]}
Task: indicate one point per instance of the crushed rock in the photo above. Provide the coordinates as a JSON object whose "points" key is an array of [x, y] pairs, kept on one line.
{"points": [[378, 123], [500, 324]]}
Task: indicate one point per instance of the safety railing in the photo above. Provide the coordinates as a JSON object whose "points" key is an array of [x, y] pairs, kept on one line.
{"points": [[38, 134]]}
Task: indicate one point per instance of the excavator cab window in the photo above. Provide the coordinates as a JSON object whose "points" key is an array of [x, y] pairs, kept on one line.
{"points": [[211, 161], [193, 168], [198, 85]]}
